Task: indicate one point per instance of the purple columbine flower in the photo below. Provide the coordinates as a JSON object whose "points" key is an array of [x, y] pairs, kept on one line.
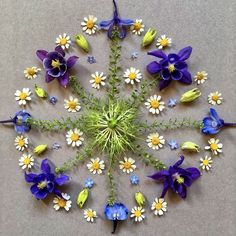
{"points": [[171, 67], [176, 178], [46, 182], [213, 124], [20, 122], [117, 23], [56, 65]]}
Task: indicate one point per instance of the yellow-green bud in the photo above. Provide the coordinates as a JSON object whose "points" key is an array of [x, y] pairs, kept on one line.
{"points": [[190, 146], [190, 95], [82, 42], [82, 197], [140, 199], [40, 92], [149, 37], [40, 149]]}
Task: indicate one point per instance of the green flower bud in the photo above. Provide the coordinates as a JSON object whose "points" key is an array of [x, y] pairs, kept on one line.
{"points": [[82, 197], [140, 199], [82, 42], [190, 146], [40, 92], [40, 149], [149, 37], [190, 95]]}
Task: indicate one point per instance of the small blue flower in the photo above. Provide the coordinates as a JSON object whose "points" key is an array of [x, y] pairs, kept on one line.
{"points": [[91, 60], [172, 102], [89, 183], [134, 55], [53, 100], [173, 144], [56, 146], [134, 179]]}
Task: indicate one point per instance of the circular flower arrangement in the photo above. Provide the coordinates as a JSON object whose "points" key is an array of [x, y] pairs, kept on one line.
{"points": [[111, 125]]}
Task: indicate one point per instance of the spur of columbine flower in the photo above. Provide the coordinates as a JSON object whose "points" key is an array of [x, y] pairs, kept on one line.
{"points": [[26, 161], [21, 143], [62, 201], [132, 75], [45, 182], [72, 104], [98, 80], [171, 67], [31, 72], [20, 122], [56, 66], [89, 24], [116, 23], [177, 178], [154, 104], [137, 27], [24, 96], [74, 137], [137, 213], [64, 41], [116, 212]]}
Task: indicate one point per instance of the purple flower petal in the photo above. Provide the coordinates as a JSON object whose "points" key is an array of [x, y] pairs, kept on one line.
{"points": [[180, 65], [48, 78], [172, 58], [153, 67], [186, 78], [64, 80], [181, 190], [41, 54], [41, 194], [158, 53], [106, 23], [163, 83], [176, 75], [214, 114], [71, 61], [60, 50], [165, 74], [55, 72], [179, 162], [165, 188], [30, 177], [45, 167], [109, 32], [126, 22], [34, 188], [122, 31], [195, 173], [185, 53], [159, 175], [50, 187], [62, 179]]}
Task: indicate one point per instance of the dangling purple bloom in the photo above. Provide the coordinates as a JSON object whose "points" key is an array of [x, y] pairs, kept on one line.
{"points": [[56, 65], [213, 124], [171, 67], [176, 178], [117, 23], [46, 182], [20, 122]]}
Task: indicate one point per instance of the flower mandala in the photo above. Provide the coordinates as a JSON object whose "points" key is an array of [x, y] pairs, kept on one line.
{"points": [[111, 126]]}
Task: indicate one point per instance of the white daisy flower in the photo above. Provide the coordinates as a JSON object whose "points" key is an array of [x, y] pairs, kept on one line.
{"points": [[96, 166], [31, 72], [127, 165], [215, 98], [200, 77], [159, 206], [132, 75], [155, 141], [206, 163], [74, 137], [21, 143], [137, 27], [64, 41], [72, 104], [154, 104], [90, 215], [98, 80], [23, 96], [163, 42], [137, 214], [214, 146], [62, 202], [26, 161], [89, 24]]}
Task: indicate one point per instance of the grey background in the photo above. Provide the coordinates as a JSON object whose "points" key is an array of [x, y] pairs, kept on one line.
{"points": [[208, 26]]}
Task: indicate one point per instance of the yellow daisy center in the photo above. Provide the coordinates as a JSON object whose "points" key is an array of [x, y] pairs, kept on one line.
{"points": [[98, 80], [155, 104], [137, 213], [61, 202], [27, 161], [90, 24], [23, 96], [63, 41], [55, 63], [215, 97], [180, 180], [171, 68], [164, 42], [127, 165], [21, 142], [90, 214], [95, 165], [200, 76], [72, 104], [42, 184], [31, 71], [158, 206], [75, 137], [214, 146], [137, 26], [205, 162], [132, 76], [155, 140]]}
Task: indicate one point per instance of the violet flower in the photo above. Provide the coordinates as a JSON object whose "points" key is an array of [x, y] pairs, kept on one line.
{"points": [[56, 65], [171, 67], [19, 121], [213, 124], [45, 182], [176, 178], [116, 22]]}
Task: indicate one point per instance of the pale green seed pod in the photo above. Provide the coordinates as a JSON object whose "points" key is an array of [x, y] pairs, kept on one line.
{"points": [[149, 37], [82, 42], [140, 199], [40, 92], [82, 197], [190, 95], [40, 149], [190, 146]]}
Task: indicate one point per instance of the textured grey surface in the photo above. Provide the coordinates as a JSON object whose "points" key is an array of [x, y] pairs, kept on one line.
{"points": [[208, 26]]}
